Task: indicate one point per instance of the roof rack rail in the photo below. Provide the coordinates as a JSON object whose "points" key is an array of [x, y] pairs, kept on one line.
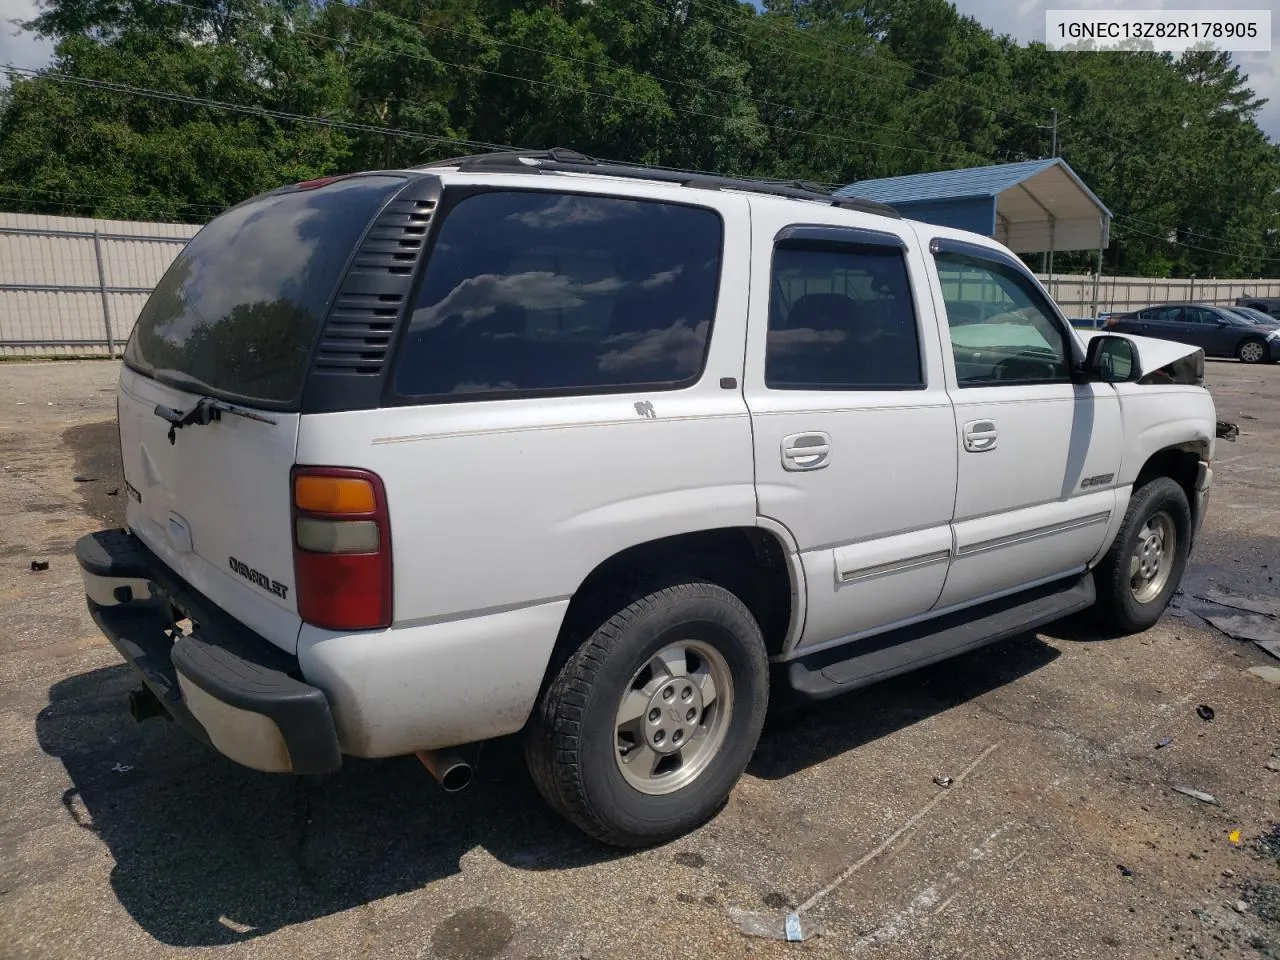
{"points": [[562, 160]]}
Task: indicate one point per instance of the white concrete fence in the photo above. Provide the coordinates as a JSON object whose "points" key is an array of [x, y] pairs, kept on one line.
{"points": [[74, 287]]}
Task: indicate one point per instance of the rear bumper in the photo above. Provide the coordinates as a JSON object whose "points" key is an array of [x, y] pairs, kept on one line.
{"points": [[1273, 350], [221, 681]]}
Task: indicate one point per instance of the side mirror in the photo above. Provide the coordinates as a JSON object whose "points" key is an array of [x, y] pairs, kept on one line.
{"points": [[1112, 359]]}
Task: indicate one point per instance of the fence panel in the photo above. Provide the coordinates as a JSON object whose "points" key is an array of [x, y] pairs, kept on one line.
{"points": [[74, 287]]}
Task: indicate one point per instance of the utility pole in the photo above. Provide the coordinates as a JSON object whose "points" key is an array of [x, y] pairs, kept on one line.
{"points": [[1053, 150]]}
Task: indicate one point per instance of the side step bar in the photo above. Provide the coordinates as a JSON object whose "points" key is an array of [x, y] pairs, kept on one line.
{"points": [[863, 662]]}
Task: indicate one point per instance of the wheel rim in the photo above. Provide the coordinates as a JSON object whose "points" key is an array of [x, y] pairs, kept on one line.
{"points": [[1251, 352], [672, 717], [1152, 559]]}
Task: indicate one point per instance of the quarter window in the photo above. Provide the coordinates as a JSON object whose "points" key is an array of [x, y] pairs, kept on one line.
{"points": [[841, 318], [1002, 332], [551, 293]]}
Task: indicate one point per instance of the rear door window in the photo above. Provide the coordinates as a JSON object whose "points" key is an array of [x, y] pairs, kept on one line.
{"points": [[238, 311], [841, 318], [533, 293]]}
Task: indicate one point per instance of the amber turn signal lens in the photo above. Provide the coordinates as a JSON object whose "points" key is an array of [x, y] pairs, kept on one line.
{"points": [[333, 495]]}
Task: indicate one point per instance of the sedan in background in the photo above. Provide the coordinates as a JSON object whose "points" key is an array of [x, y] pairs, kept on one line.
{"points": [[1267, 305], [1219, 330], [1257, 316]]}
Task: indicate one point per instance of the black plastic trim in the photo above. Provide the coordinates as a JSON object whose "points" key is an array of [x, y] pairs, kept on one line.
{"points": [[852, 236], [355, 349], [221, 655], [864, 662], [451, 198], [563, 160]]}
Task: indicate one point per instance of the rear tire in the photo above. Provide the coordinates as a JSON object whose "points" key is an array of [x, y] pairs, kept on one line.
{"points": [[644, 731], [1139, 574], [1252, 350]]}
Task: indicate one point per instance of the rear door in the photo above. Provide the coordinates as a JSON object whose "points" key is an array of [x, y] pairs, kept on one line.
{"points": [[235, 319], [1038, 453], [853, 430]]}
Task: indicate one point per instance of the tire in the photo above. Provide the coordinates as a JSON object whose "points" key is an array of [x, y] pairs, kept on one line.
{"points": [[572, 743], [1252, 350], [1129, 603]]}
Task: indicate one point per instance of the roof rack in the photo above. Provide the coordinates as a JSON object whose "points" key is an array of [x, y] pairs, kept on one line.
{"points": [[562, 160]]}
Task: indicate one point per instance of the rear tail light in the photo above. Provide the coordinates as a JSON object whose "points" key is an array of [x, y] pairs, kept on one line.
{"points": [[341, 548]]}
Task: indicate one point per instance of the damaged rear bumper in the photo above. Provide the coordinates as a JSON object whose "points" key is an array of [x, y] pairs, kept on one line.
{"points": [[221, 681]]}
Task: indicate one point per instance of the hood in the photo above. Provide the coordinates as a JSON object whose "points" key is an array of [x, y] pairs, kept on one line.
{"points": [[1152, 353]]}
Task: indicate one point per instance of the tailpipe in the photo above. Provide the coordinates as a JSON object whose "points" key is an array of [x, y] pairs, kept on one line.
{"points": [[450, 770]]}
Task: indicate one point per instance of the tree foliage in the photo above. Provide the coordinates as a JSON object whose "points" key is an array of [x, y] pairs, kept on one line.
{"points": [[824, 90]]}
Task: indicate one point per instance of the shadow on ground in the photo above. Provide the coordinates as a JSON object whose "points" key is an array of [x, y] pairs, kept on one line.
{"points": [[96, 448], [207, 852]]}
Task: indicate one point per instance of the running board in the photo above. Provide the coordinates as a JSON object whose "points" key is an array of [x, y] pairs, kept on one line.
{"points": [[862, 662]]}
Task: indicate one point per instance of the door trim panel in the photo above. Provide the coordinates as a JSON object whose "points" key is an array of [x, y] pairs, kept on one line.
{"points": [[1046, 531], [858, 574]]}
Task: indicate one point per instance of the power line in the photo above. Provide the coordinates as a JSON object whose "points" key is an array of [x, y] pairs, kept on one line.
{"points": [[245, 108], [153, 201], [626, 71], [1205, 236], [1191, 246], [435, 60]]}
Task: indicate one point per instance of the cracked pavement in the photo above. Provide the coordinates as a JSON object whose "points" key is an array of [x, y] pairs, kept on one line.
{"points": [[120, 840]]}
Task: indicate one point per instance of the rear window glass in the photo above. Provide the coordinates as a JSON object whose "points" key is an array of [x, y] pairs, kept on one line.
{"points": [[562, 293], [237, 312]]}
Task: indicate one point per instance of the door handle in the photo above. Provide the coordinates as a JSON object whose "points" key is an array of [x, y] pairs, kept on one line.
{"points": [[806, 451], [980, 436]]}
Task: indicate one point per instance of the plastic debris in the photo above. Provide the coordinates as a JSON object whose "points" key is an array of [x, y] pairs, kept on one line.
{"points": [[1164, 742], [1197, 795], [121, 768], [1234, 836], [793, 927], [82, 478], [1252, 602], [38, 565], [1263, 631], [943, 781], [1228, 431], [1124, 871], [1204, 712]]}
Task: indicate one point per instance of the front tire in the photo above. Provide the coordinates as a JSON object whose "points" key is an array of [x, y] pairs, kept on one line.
{"points": [[1252, 351], [646, 728], [1139, 574]]}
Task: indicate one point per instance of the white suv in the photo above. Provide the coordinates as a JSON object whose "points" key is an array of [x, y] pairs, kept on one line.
{"points": [[531, 442]]}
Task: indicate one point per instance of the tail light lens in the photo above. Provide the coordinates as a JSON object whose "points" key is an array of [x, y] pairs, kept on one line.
{"points": [[341, 548]]}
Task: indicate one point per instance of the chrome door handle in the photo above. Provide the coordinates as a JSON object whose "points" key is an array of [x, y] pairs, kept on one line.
{"points": [[980, 436], [806, 451]]}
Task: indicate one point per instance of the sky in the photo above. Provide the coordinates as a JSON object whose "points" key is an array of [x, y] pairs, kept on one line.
{"points": [[1024, 19]]}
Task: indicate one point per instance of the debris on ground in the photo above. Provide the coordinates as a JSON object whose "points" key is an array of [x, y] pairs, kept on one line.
{"points": [[1263, 631], [1234, 836], [1124, 871], [1228, 431], [1270, 674], [792, 927], [943, 781], [113, 492], [1239, 906], [39, 565], [1204, 712], [1252, 602], [1197, 795], [1164, 742], [82, 478]]}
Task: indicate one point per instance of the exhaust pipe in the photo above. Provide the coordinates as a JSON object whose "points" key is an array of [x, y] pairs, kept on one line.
{"points": [[450, 770], [143, 705]]}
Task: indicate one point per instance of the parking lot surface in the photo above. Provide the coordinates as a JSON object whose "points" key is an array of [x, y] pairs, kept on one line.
{"points": [[1064, 838]]}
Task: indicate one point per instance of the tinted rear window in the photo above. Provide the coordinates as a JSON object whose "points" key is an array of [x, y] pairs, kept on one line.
{"points": [[239, 309], [562, 293]]}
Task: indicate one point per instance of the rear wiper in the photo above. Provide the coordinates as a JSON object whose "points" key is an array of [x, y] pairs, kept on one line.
{"points": [[207, 410]]}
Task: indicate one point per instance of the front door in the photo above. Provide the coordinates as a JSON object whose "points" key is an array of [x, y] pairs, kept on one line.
{"points": [[853, 429], [1038, 453]]}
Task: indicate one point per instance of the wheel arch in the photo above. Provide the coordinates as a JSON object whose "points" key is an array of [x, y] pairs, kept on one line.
{"points": [[758, 564]]}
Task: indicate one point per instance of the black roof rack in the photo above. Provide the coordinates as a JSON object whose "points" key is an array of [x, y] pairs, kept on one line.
{"points": [[561, 160]]}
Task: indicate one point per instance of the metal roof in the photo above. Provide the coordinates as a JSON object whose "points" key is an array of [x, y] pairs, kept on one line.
{"points": [[1031, 206]]}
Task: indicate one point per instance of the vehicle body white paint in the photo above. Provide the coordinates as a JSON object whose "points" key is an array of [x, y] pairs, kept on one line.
{"points": [[501, 508]]}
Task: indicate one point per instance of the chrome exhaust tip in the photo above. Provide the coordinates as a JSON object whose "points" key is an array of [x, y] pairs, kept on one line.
{"points": [[450, 770]]}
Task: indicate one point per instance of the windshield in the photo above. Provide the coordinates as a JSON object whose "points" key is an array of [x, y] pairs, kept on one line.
{"points": [[237, 312]]}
